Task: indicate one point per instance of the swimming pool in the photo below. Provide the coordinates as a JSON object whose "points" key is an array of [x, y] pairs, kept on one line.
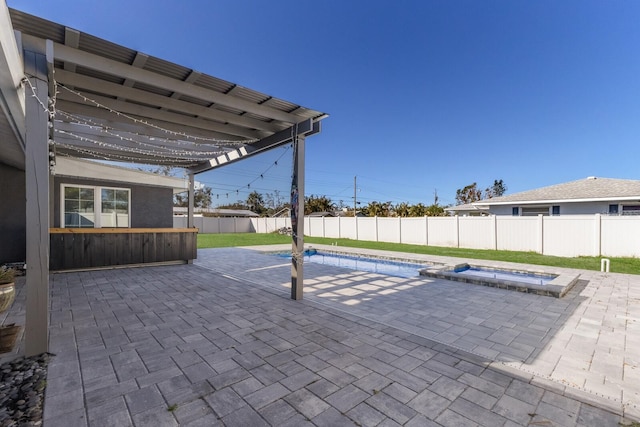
{"points": [[547, 284], [361, 263]]}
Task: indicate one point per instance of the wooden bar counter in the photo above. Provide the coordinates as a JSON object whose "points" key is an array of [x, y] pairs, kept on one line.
{"points": [[85, 248]]}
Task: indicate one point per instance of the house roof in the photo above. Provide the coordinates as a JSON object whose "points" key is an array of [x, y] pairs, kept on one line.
{"points": [[78, 168], [583, 190], [119, 104], [467, 207]]}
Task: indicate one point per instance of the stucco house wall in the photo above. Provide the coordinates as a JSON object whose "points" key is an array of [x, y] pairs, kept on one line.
{"points": [[586, 208], [151, 207]]}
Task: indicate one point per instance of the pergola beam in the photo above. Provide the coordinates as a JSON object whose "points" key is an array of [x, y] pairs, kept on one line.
{"points": [[153, 113], [305, 128], [99, 63], [167, 103], [111, 120]]}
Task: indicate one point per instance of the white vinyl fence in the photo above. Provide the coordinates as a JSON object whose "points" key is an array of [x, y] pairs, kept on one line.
{"points": [[569, 235]]}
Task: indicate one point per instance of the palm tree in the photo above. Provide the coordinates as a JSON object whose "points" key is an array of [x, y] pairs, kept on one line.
{"points": [[318, 204], [418, 210], [256, 202]]}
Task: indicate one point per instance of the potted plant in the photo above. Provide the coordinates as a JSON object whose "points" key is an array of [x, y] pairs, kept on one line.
{"points": [[7, 287]]}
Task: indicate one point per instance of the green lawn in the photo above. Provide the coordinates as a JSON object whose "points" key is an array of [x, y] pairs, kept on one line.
{"points": [[618, 265]]}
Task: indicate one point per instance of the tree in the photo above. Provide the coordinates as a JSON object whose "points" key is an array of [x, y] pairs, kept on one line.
{"points": [[435, 210], [255, 202], [418, 209], [201, 198], [468, 194], [318, 204], [402, 209], [377, 209], [496, 190]]}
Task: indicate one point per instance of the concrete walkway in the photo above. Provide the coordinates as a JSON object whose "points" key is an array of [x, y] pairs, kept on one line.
{"points": [[221, 343]]}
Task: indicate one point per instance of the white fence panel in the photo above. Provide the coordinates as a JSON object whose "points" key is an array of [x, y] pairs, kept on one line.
{"points": [[620, 236], [314, 226], [388, 229], [569, 236], [348, 228], [443, 231], [367, 229], [414, 231], [518, 233], [477, 232], [332, 227]]}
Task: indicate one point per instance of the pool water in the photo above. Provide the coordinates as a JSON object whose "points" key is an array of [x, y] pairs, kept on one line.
{"points": [[528, 278], [372, 265]]}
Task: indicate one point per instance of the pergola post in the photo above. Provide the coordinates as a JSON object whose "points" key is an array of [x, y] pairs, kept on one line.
{"points": [[297, 218], [190, 207], [38, 61]]}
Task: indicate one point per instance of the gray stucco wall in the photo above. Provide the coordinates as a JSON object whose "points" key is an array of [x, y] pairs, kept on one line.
{"points": [[151, 207], [12, 215]]}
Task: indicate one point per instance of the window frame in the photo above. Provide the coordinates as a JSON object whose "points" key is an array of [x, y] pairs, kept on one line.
{"points": [[97, 204]]}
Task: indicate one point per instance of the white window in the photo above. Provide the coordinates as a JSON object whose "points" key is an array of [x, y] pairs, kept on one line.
{"points": [[535, 211], [630, 209], [95, 207]]}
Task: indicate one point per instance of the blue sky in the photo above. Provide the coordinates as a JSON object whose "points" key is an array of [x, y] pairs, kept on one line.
{"points": [[423, 95]]}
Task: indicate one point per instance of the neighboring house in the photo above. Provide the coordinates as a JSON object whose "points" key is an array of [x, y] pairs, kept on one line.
{"points": [[230, 213], [591, 195], [468, 209], [327, 214]]}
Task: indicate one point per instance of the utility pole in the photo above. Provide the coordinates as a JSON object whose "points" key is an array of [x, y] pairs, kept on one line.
{"points": [[355, 191]]}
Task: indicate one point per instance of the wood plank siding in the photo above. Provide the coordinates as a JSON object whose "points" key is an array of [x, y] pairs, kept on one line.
{"points": [[80, 248]]}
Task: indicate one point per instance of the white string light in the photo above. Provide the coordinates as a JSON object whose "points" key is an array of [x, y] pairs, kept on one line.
{"points": [[100, 155], [146, 123], [117, 147], [184, 152], [113, 131]]}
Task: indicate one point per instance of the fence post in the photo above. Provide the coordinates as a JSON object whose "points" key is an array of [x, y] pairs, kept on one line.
{"points": [[399, 229], [376, 226], [598, 236], [355, 217], [426, 230], [457, 231], [541, 234], [495, 232]]}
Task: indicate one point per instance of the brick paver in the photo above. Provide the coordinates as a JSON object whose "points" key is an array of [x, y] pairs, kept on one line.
{"points": [[221, 343]]}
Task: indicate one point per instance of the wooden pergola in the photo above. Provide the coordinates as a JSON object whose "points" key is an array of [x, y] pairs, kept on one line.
{"points": [[68, 93]]}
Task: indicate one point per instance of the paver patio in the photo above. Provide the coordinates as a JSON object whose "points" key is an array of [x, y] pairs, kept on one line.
{"points": [[221, 343]]}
